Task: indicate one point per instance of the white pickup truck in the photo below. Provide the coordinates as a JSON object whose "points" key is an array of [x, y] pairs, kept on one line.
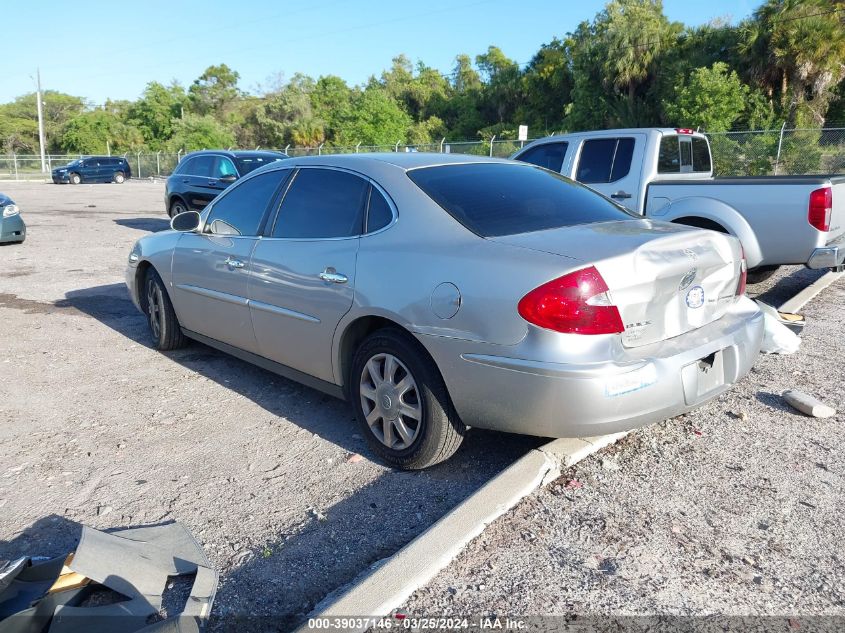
{"points": [[666, 174]]}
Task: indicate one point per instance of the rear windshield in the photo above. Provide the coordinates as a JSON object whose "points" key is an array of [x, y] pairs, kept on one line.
{"points": [[247, 163], [493, 199]]}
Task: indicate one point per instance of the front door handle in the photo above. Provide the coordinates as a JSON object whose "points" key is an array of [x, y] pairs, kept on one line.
{"points": [[620, 195], [332, 276], [234, 263]]}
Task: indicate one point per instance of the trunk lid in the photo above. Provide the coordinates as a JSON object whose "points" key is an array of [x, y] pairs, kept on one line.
{"points": [[665, 279]]}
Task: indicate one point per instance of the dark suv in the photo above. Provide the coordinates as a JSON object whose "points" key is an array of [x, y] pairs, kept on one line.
{"points": [[93, 169], [201, 176]]}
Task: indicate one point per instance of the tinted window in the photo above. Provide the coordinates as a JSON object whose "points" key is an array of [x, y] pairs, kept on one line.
{"points": [[323, 203], [669, 156], [182, 167], [240, 210], [201, 166], [700, 154], [605, 160], [548, 155], [379, 214], [501, 199], [249, 162], [622, 159], [686, 153], [596, 160]]}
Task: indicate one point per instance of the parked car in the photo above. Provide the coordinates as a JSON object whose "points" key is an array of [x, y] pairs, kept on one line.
{"points": [[12, 227], [667, 174], [93, 169], [437, 292], [201, 176]]}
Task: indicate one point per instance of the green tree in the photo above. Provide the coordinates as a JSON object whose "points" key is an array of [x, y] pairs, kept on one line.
{"points": [[98, 132], [195, 132], [214, 90], [713, 98], [155, 111], [374, 119], [795, 50]]}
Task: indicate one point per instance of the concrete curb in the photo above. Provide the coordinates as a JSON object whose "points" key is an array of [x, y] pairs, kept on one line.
{"points": [[392, 581], [803, 298]]}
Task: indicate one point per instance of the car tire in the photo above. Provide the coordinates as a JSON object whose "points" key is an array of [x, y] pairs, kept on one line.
{"points": [[177, 207], [396, 385], [759, 275], [165, 331], [75, 179], [118, 177]]}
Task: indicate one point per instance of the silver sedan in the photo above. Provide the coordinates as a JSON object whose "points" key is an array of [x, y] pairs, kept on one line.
{"points": [[439, 292]]}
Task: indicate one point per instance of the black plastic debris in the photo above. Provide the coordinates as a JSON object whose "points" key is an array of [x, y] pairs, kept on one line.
{"points": [[114, 581]]}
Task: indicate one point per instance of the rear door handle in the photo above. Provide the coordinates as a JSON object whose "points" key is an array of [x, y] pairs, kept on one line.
{"points": [[621, 195], [234, 263], [332, 276]]}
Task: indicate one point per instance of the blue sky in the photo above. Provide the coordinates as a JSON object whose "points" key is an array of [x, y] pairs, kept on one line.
{"points": [[99, 49]]}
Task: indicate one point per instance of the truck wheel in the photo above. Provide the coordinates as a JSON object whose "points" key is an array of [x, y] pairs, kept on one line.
{"points": [[761, 274], [401, 402]]}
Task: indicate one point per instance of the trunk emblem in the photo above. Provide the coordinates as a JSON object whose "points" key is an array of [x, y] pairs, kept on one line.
{"points": [[687, 279], [695, 297]]}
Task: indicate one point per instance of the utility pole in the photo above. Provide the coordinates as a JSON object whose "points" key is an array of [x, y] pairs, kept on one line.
{"points": [[40, 122]]}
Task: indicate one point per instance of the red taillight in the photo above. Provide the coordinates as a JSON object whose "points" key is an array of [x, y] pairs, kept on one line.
{"points": [[821, 206], [684, 130], [576, 303], [743, 273]]}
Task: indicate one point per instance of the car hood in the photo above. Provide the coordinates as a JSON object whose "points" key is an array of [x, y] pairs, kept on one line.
{"points": [[4, 200]]}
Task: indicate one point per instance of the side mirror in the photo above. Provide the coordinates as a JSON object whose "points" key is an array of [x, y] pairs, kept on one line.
{"points": [[228, 178], [186, 221]]}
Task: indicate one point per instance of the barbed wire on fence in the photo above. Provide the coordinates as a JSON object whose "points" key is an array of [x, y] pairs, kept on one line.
{"points": [[737, 153]]}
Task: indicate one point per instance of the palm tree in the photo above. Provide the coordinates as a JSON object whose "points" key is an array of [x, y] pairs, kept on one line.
{"points": [[796, 51]]}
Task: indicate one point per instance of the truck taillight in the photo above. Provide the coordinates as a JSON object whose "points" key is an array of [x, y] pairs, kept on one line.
{"points": [[684, 130], [821, 206], [576, 303], [743, 273]]}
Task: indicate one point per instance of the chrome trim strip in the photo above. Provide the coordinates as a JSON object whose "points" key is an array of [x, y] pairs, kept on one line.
{"points": [[214, 294], [267, 307]]}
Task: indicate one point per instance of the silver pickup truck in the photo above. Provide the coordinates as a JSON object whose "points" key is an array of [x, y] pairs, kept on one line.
{"points": [[667, 174]]}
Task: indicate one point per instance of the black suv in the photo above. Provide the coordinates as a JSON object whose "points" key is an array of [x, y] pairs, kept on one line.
{"points": [[201, 176], [93, 169]]}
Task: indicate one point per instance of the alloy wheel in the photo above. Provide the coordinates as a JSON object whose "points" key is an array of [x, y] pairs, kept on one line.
{"points": [[391, 401], [154, 308]]}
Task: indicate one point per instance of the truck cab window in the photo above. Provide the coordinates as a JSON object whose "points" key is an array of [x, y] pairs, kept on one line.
{"points": [[669, 156]]}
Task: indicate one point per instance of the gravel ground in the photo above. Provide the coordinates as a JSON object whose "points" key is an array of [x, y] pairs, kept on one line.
{"points": [[98, 428], [734, 509]]}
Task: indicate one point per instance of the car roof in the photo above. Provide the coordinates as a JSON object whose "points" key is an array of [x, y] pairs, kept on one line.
{"points": [[235, 153], [402, 160]]}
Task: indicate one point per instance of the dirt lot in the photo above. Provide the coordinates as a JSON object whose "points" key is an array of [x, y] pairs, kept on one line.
{"points": [[98, 428], [735, 509]]}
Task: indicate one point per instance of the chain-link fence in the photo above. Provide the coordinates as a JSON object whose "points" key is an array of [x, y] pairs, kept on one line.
{"points": [[749, 153], [779, 152]]}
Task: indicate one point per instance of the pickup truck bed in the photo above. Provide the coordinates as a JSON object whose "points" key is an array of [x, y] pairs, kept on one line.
{"points": [[788, 236]]}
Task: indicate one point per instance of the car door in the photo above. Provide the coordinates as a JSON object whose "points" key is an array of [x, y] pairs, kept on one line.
{"points": [[612, 166], [223, 174], [211, 267], [90, 170], [195, 179], [303, 272]]}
